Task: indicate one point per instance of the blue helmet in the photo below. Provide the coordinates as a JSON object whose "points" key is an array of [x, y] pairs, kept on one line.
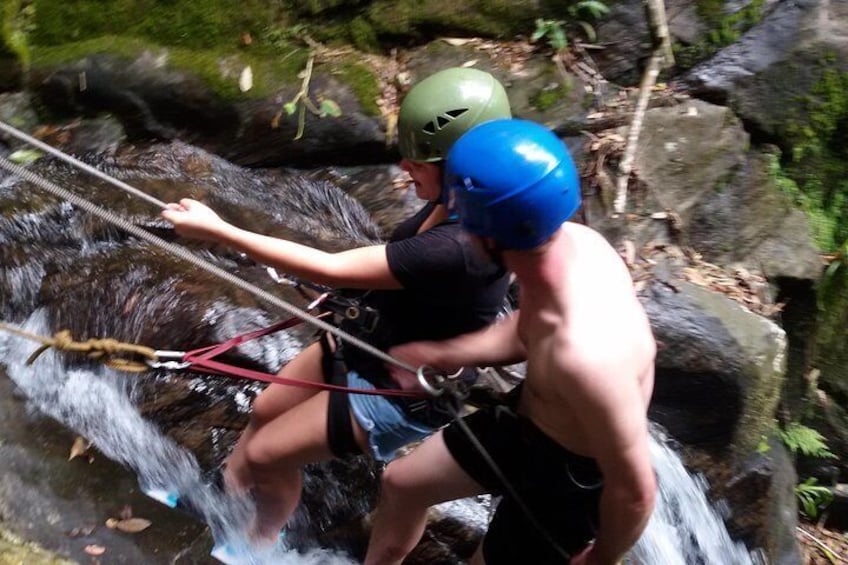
{"points": [[512, 180]]}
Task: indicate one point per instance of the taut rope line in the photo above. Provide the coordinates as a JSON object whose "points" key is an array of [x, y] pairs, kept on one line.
{"points": [[187, 255], [79, 164]]}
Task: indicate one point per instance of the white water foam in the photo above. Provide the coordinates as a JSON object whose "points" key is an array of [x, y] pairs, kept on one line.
{"points": [[96, 404], [685, 529]]}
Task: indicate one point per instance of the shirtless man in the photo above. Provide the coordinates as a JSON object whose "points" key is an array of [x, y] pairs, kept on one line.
{"points": [[573, 445]]}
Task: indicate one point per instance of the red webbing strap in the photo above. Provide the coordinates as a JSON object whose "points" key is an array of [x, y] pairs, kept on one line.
{"points": [[219, 368], [203, 358], [215, 350]]}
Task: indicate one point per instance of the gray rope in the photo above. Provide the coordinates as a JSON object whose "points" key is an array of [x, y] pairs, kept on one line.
{"points": [[187, 255], [77, 163]]}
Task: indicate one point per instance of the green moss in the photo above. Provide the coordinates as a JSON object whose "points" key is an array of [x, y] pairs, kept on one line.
{"points": [[362, 81], [723, 29], [14, 551], [185, 23], [271, 66], [362, 35], [490, 18], [547, 97], [819, 158], [16, 21]]}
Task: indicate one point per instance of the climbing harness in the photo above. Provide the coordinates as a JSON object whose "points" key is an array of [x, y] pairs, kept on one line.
{"points": [[347, 308], [448, 391]]}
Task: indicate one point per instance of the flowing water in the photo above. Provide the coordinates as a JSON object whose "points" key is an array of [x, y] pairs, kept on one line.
{"points": [[684, 530], [96, 404]]}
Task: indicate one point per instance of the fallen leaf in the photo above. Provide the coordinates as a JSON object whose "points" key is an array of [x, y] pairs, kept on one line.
{"points": [[95, 549], [694, 276], [112, 523], [82, 531], [25, 156], [79, 447], [470, 63], [246, 79], [133, 525], [456, 41]]}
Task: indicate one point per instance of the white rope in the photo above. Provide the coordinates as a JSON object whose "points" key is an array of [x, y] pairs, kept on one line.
{"points": [[197, 261]]}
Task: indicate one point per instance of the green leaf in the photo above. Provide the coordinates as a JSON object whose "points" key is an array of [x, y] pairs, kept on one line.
{"points": [[799, 438], [558, 40], [594, 8], [290, 108], [330, 108], [541, 29], [25, 156], [589, 31]]}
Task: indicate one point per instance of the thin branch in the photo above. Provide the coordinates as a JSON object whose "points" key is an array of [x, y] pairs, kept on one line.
{"points": [[649, 79], [660, 58], [829, 553]]}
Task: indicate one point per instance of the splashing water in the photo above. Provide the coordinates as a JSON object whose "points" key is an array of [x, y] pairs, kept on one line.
{"points": [[96, 404], [684, 528]]}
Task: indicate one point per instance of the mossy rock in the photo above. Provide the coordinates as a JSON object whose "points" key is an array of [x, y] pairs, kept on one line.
{"points": [[427, 18], [831, 342], [15, 551]]}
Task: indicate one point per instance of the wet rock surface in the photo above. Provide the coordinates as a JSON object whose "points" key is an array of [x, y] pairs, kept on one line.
{"points": [[63, 504]]}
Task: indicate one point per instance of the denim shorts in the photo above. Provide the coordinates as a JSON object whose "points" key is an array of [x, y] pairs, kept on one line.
{"points": [[386, 424]]}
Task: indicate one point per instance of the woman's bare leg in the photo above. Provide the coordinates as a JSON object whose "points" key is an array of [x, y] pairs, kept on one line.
{"points": [[273, 401], [274, 456]]}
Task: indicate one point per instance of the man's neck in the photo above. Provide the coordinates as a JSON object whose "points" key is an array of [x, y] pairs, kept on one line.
{"points": [[541, 269]]}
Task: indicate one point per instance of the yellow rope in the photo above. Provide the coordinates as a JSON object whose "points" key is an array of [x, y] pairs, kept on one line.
{"points": [[110, 352]]}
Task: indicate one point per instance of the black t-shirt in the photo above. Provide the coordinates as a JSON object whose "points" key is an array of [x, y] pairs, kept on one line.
{"points": [[448, 289]]}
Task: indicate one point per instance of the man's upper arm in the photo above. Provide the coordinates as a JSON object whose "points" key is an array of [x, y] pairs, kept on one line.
{"points": [[607, 400]]}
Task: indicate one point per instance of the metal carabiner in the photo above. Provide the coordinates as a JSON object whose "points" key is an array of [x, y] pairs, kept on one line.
{"points": [[169, 360], [425, 383]]}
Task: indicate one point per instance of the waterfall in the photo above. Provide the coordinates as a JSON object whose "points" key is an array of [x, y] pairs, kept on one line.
{"points": [[685, 528], [95, 403]]}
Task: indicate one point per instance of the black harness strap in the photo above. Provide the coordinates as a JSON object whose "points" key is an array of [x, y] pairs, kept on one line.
{"points": [[340, 436]]}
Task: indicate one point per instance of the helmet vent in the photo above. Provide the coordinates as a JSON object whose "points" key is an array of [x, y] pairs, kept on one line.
{"points": [[429, 127], [456, 113], [442, 121]]}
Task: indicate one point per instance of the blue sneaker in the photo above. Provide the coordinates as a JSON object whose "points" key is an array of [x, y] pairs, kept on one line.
{"points": [[166, 497], [225, 554]]}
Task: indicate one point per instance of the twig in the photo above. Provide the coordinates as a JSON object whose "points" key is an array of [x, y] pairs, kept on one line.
{"points": [[303, 96], [829, 553], [649, 79], [660, 58]]}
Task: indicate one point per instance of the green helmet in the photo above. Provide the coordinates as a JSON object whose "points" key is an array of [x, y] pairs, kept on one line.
{"points": [[443, 106]]}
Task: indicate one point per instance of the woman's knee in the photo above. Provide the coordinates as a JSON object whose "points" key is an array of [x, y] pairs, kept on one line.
{"points": [[398, 482], [263, 411]]}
